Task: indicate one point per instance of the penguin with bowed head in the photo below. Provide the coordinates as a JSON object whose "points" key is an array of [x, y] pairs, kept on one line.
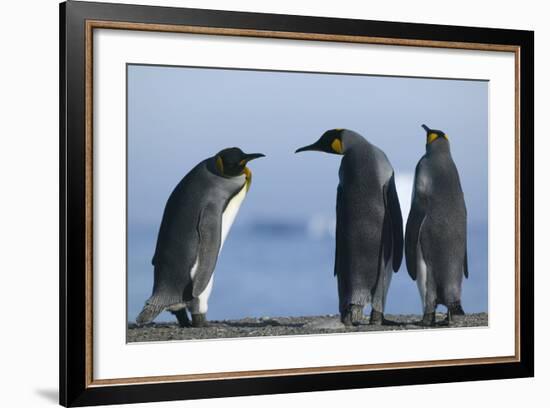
{"points": [[369, 225], [195, 223], [435, 237]]}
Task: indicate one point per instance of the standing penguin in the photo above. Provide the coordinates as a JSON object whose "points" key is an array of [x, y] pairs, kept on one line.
{"points": [[369, 226], [196, 220], [435, 238]]}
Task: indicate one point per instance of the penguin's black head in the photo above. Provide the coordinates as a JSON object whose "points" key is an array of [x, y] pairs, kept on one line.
{"points": [[231, 162], [433, 134], [330, 142]]}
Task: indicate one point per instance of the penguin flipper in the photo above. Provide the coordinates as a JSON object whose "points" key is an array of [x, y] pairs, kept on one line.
{"points": [[338, 228], [396, 219], [412, 236], [466, 274], [209, 228]]}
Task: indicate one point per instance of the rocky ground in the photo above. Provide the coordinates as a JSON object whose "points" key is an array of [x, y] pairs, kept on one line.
{"points": [[288, 326]]}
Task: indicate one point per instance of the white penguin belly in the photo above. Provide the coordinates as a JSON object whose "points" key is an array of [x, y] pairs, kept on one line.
{"points": [[421, 274], [200, 304], [230, 213]]}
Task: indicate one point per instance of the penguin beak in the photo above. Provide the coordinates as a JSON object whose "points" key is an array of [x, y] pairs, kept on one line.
{"points": [[426, 128], [253, 156], [311, 147]]}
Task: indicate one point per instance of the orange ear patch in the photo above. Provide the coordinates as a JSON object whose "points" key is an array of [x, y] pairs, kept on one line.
{"points": [[432, 137], [219, 164], [248, 175], [337, 146]]}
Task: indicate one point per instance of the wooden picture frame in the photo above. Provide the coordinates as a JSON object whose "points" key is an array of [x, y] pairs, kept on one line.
{"points": [[78, 20]]}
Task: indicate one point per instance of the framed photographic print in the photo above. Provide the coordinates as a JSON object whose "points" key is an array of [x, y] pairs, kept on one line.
{"points": [[256, 203]]}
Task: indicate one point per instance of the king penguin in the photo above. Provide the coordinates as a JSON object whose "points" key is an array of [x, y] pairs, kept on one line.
{"points": [[435, 237], [369, 226], [196, 220]]}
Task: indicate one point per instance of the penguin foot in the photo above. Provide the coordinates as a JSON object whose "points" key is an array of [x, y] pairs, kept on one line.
{"points": [[428, 320], [352, 316], [345, 318], [199, 320], [376, 318], [148, 314], [453, 311], [456, 309], [182, 317]]}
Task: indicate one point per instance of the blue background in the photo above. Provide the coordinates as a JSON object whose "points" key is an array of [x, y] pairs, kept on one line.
{"points": [[278, 257]]}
